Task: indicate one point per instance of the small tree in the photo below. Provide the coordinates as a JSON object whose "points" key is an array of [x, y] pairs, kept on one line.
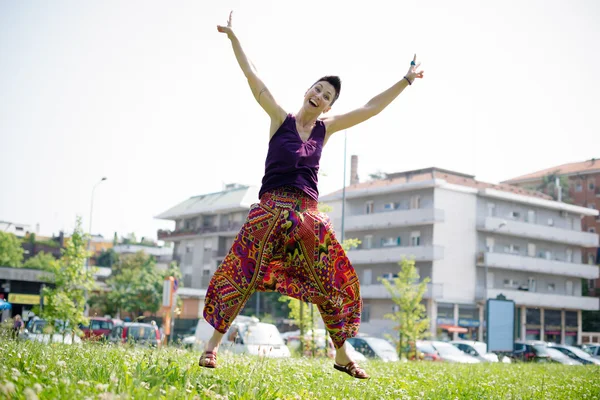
{"points": [[64, 301], [548, 186], [11, 252], [107, 258], [42, 261], [410, 314]]}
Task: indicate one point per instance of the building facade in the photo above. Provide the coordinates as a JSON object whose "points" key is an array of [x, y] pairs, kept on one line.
{"points": [[474, 241], [584, 190], [205, 227]]}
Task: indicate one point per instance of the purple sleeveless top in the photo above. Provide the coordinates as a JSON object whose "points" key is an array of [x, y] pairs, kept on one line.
{"points": [[292, 162]]}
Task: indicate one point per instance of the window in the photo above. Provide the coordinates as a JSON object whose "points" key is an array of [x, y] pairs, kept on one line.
{"points": [[389, 206], [368, 243], [367, 276], [592, 206], [514, 215], [578, 186], [491, 209], [205, 272], [489, 244], [591, 185], [591, 260], [592, 230], [531, 216], [490, 280], [415, 202], [548, 255], [415, 238], [512, 249], [551, 287], [550, 222], [569, 288], [531, 284], [591, 283], [390, 241], [531, 249], [369, 207], [511, 284], [569, 255]]}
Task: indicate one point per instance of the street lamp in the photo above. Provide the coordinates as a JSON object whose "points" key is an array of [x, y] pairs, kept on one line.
{"points": [[87, 264]]}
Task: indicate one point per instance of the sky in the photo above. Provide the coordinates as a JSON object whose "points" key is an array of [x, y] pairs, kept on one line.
{"points": [[149, 95]]}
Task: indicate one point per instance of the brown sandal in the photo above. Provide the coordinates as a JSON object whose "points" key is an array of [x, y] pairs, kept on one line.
{"points": [[208, 359], [352, 369]]}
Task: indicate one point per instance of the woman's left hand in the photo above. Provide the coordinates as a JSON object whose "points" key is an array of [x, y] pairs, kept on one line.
{"points": [[414, 72]]}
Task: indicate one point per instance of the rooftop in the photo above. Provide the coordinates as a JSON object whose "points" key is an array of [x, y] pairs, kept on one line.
{"points": [[581, 167]]}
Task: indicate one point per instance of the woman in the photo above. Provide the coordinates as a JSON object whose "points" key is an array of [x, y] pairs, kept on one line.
{"points": [[286, 244]]}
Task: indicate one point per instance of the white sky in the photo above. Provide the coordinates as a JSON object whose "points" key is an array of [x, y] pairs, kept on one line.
{"points": [[149, 94]]}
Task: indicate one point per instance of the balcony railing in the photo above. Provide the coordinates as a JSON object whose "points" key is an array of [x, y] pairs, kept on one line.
{"points": [[163, 234], [519, 262], [378, 291], [393, 218], [395, 254], [535, 299], [537, 231]]}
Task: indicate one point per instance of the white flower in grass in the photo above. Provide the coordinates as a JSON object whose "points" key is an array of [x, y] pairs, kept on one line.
{"points": [[61, 363], [114, 379], [37, 387], [8, 388], [163, 392], [84, 383], [30, 394], [172, 388], [145, 385], [102, 387], [51, 373], [107, 396], [15, 372]]}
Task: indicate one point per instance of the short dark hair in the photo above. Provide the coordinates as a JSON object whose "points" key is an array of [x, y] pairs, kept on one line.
{"points": [[335, 81]]}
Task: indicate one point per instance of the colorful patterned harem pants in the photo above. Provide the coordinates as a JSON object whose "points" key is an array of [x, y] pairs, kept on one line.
{"points": [[287, 245]]}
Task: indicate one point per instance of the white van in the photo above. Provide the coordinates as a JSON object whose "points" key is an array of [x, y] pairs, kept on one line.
{"points": [[247, 335]]}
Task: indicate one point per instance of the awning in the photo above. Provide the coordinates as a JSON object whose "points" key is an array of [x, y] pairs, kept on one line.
{"points": [[5, 305], [453, 328]]}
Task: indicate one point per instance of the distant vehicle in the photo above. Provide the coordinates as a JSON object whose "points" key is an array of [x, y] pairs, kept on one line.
{"points": [[136, 333], [576, 354], [530, 351], [292, 340], [449, 353], [98, 329], [37, 331], [247, 335], [427, 352], [561, 358], [374, 347], [475, 349], [592, 349]]}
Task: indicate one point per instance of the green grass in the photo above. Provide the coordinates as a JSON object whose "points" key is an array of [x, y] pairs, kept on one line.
{"points": [[94, 371]]}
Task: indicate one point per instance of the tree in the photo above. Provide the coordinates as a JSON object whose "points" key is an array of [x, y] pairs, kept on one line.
{"points": [[548, 186], [377, 176], [410, 314], [41, 260], [64, 300], [115, 239], [107, 258], [11, 252]]}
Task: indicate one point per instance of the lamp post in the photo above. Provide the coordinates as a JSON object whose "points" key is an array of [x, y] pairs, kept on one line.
{"points": [[87, 263]]}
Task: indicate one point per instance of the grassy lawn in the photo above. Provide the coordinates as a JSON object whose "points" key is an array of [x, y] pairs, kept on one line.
{"points": [[30, 370]]}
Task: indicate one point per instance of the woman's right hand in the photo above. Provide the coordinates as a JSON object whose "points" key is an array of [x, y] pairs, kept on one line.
{"points": [[228, 30]]}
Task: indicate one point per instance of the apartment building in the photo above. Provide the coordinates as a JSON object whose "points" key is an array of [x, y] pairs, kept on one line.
{"points": [[474, 240], [205, 227], [584, 190]]}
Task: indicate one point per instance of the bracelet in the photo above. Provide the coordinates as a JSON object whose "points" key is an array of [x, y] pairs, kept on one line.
{"points": [[408, 80]]}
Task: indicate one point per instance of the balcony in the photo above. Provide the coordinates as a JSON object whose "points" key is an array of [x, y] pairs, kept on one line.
{"points": [[378, 291], [536, 231], [393, 219], [164, 234], [537, 265], [395, 254], [545, 300]]}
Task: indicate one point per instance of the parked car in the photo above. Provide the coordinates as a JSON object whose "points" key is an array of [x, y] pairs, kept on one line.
{"points": [[37, 331], [533, 350], [576, 354], [374, 347], [561, 358], [137, 333], [292, 340], [449, 353], [427, 352], [476, 349], [98, 329], [592, 349]]}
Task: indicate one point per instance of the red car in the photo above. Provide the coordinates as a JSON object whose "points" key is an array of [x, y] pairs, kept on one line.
{"points": [[98, 329], [138, 333]]}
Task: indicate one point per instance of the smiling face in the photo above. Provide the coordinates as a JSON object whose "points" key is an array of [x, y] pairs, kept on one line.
{"points": [[319, 97]]}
